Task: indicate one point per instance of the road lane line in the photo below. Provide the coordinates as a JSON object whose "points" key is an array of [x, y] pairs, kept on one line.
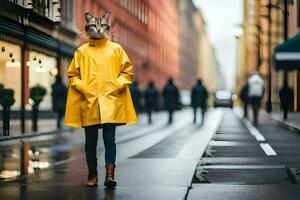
{"points": [[258, 136], [266, 147], [269, 151]]}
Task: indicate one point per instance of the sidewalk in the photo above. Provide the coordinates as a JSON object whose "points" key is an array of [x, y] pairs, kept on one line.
{"points": [[45, 126], [293, 120]]}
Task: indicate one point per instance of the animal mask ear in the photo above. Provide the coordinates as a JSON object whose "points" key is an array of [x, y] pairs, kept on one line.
{"points": [[88, 16], [106, 15]]}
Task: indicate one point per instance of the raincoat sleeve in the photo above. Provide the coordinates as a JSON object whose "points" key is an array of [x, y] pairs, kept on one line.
{"points": [[125, 77], [74, 73]]}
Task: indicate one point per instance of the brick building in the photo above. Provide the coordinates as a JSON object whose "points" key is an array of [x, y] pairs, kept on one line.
{"points": [[148, 31]]}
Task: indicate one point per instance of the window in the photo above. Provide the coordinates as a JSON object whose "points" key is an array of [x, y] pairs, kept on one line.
{"points": [[10, 66], [46, 8], [42, 69]]}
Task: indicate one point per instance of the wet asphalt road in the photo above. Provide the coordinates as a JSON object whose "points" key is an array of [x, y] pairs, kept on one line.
{"points": [[249, 163], [159, 161]]}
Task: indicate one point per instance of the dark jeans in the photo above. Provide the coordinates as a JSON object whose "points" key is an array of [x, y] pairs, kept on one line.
{"points": [[59, 118], [170, 121], [245, 110], [255, 103], [285, 108], [91, 139], [149, 113], [202, 114]]}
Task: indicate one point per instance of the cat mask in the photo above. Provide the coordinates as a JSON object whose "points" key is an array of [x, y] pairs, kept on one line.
{"points": [[97, 27]]}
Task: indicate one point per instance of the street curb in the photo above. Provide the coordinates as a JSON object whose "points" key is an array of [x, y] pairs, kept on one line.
{"points": [[9, 138], [284, 124], [280, 122]]}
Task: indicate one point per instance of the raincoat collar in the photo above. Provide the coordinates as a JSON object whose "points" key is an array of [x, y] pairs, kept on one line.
{"points": [[99, 42]]}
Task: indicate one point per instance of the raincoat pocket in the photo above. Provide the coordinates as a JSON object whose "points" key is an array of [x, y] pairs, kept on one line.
{"points": [[114, 90], [88, 90]]}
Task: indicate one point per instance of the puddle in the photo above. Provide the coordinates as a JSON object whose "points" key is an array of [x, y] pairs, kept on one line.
{"points": [[28, 157]]}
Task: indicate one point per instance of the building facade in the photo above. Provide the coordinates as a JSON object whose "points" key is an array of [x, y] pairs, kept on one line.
{"points": [[263, 30], [207, 63], [248, 44], [148, 31], [189, 40], [37, 41]]}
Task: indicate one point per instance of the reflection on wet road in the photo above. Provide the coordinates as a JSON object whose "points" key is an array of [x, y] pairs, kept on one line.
{"points": [[30, 155]]}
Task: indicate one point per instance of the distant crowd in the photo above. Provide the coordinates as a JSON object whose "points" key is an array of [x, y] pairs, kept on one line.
{"points": [[149, 99]]}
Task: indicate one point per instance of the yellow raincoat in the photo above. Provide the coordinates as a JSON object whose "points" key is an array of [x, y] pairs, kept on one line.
{"points": [[99, 75]]}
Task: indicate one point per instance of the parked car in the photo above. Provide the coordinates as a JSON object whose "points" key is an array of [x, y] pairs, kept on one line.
{"points": [[223, 98]]}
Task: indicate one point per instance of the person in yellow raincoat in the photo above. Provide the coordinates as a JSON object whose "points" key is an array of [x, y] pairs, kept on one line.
{"points": [[98, 95]]}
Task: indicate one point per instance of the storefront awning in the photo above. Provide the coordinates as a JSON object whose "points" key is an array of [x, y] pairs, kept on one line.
{"points": [[41, 39], [287, 54], [66, 49], [11, 31]]}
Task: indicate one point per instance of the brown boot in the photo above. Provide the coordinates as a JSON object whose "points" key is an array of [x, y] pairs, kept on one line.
{"points": [[92, 180], [109, 178]]}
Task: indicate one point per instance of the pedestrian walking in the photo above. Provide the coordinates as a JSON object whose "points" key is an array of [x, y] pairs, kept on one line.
{"points": [[171, 98], [255, 92], [136, 95], [286, 96], [151, 96], [59, 96], [199, 96], [99, 96], [245, 99]]}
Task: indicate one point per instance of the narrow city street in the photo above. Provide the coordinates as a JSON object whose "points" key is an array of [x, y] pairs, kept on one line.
{"points": [[159, 161], [150, 100]]}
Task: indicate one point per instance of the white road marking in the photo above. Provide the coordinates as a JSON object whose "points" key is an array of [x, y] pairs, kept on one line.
{"points": [[269, 151], [259, 137]]}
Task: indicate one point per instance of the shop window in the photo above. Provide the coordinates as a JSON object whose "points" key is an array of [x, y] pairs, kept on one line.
{"points": [[42, 70], [10, 69]]}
